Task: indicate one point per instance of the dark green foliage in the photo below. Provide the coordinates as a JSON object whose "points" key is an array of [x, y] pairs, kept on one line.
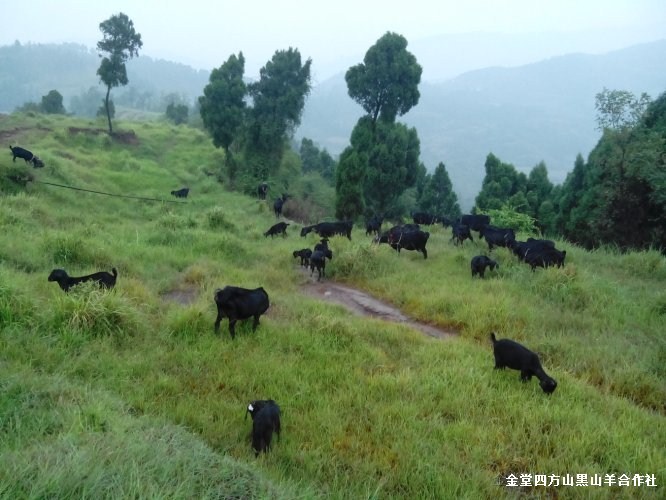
{"points": [[177, 113], [619, 197], [121, 42], [386, 83], [437, 195], [315, 160], [222, 106], [392, 152], [502, 184], [349, 184], [278, 100], [52, 103]]}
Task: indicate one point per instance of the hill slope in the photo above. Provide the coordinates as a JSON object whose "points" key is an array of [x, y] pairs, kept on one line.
{"points": [[129, 393]]}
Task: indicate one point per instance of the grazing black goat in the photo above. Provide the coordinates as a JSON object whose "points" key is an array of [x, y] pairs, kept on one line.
{"points": [[28, 156], [265, 420], [181, 193], [103, 279], [305, 255], [275, 229], [509, 353], [479, 264], [239, 303]]}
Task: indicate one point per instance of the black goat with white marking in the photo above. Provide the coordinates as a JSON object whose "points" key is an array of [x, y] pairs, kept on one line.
{"points": [[265, 420]]}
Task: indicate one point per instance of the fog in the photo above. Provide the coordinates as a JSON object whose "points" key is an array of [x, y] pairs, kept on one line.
{"points": [[448, 37]]}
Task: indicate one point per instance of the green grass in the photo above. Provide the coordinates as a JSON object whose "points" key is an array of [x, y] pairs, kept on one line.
{"points": [[129, 394]]}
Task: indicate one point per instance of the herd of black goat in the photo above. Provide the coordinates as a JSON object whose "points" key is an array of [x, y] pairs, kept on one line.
{"points": [[237, 303]]}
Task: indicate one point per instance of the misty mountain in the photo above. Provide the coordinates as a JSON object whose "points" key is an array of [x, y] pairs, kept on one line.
{"points": [[28, 72], [526, 114]]}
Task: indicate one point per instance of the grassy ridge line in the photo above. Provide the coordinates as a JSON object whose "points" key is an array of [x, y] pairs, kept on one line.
{"points": [[369, 408]]}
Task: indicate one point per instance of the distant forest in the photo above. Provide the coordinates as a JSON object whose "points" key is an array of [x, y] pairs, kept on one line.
{"points": [[28, 72]]}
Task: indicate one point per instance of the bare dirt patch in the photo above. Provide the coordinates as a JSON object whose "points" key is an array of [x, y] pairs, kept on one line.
{"points": [[125, 137], [362, 304], [7, 135]]}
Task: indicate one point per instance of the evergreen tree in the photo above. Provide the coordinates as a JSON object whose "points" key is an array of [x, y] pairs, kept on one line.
{"points": [[386, 83], [349, 184], [278, 99], [222, 107], [438, 196], [502, 184]]}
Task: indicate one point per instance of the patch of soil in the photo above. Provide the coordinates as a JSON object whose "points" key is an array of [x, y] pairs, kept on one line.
{"points": [[362, 304], [182, 296], [6, 135]]}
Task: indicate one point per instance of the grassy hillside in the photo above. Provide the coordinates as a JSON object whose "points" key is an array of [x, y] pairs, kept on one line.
{"points": [[130, 394]]}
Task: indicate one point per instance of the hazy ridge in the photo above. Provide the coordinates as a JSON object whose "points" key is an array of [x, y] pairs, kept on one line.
{"points": [[525, 114]]}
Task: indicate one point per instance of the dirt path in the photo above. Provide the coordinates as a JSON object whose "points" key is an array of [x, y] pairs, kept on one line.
{"points": [[362, 304]]}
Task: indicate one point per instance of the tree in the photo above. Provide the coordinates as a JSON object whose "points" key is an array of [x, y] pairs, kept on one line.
{"points": [[438, 196], [177, 113], [349, 184], [52, 103], [501, 184], [87, 103], [222, 107], [618, 109], [121, 42], [386, 83], [619, 196], [538, 188], [278, 100], [392, 151], [315, 160]]}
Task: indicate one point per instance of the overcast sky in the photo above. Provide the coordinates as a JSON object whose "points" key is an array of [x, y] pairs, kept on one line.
{"points": [[335, 33]]}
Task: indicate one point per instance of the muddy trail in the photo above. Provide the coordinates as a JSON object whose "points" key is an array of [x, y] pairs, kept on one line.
{"points": [[362, 304]]}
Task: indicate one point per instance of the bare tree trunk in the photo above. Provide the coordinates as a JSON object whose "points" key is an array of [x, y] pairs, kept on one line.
{"points": [[108, 112]]}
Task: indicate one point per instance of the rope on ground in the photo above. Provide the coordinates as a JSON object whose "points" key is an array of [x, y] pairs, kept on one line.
{"points": [[110, 194]]}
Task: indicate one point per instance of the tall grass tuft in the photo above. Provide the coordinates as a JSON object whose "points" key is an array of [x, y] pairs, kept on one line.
{"points": [[87, 312]]}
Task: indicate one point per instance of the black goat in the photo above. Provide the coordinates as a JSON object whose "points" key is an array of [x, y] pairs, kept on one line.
{"points": [[265, 420], [279, 203], [181, 193], [239, 303], [518, 357], [305, 255], [262, 190], [103, 279], [479, 264], [26, 155], [275, 229]]}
